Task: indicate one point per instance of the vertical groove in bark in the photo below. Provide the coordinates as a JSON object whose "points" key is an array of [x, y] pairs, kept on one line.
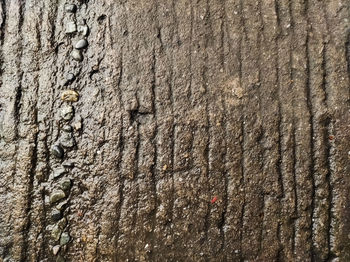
{"points": [[251, 83], [8, 148], [320, 120], [242, 128], [216, 118], [286, 132], [29, 116], [164, 140], [116, 44], [46, 79], [270, 138], [310, 107], [337, 83], [14, 39], [302, 133], [278, 34], [233, 129], [210, 130]]}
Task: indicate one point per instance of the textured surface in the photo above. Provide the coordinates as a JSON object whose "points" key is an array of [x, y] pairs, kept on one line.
{"points": [[204, 130]]}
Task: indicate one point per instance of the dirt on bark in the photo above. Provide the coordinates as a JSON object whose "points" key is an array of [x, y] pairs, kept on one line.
{"points": [[184, 130]]}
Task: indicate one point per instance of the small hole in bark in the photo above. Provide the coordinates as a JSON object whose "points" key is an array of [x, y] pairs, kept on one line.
{"points": [[133, 114], [101, 19]]}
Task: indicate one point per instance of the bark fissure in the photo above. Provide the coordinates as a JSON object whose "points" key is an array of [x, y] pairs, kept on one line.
{"points": [[203, 130]]}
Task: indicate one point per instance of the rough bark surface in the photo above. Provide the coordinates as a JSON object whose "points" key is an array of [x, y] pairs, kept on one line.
{"points": [[205, 130]]}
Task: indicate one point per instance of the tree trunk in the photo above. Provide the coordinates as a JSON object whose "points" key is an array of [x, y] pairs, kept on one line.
{"points": [[201, 130]]}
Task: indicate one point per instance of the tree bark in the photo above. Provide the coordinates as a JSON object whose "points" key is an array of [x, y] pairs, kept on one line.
{"points": [[204, 130]]}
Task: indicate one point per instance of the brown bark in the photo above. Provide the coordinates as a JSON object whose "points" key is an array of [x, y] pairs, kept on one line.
{"points": [[204, 130]]}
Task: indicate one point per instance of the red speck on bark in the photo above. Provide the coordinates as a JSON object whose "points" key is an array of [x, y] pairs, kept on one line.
{"points": [[214, 200]]}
